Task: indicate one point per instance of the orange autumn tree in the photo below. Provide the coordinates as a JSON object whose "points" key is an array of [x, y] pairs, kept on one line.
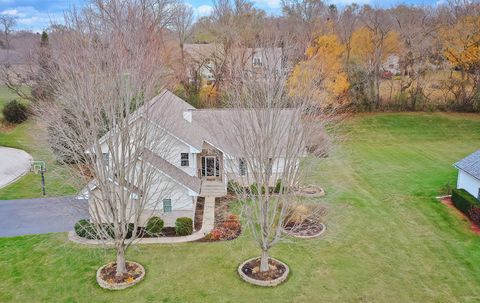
{"points": [[321, 74], [462, 49]]}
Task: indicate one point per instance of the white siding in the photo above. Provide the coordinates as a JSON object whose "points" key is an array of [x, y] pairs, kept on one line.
{"points": [[469, 183]]}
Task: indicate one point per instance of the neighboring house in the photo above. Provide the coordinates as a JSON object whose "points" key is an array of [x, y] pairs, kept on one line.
{"points": [[469, 174], [200, 162], [203, 58], [392, 65], [200, 59]]}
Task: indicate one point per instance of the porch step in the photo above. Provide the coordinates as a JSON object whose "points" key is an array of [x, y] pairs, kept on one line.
{"points": [[215, 189]]}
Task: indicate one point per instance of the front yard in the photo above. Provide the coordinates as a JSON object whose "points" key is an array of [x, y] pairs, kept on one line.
{"points": [[388, 239], [30, 137]]}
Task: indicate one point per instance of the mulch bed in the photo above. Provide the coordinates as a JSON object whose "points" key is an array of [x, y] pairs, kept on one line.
{"points": [[473, 226], [199, 213], [252, 270], [306, 228], [107, 274]]}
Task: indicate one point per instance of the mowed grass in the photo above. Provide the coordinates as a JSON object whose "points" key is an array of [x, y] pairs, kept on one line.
{"points": [[31, 137], [388, 239]]}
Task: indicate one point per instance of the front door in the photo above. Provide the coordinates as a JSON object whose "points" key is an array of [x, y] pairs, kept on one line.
{"points": [[210, 166]]}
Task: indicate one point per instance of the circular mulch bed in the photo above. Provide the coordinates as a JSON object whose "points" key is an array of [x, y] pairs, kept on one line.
{"points": [[250, 272], [106, 276], [305, 230], [310, 191]]}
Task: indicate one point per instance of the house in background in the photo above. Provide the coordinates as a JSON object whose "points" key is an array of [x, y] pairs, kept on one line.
{"points": [[392, 65], [469, 174]]}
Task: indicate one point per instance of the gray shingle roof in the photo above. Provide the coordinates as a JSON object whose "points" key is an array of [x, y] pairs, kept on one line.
{"points": [[172, 171], [470, 164]]}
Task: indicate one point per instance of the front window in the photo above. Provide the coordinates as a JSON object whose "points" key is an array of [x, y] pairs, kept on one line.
{"points": [[167, 205], [257, 61], [184, 159], [106, 157], [243, 167]]}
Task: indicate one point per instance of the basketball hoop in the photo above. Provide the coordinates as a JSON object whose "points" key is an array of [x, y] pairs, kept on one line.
{"points": [[39, 167]]}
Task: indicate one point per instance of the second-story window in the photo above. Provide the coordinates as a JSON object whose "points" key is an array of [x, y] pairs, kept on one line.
{"points": [[243, 167], [184, 159]]}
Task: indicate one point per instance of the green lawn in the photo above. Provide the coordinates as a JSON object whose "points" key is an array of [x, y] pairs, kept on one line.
{"points": [[30, 137], [388, 239]]}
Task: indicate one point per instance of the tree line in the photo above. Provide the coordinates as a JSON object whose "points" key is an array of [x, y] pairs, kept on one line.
{"points": [[360, 58]]}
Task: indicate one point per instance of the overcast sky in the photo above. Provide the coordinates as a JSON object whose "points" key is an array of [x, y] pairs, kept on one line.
{"points": [[36, 15]]}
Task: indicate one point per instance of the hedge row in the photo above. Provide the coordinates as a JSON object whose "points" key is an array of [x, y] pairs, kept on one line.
{"points": [[464, 201]]}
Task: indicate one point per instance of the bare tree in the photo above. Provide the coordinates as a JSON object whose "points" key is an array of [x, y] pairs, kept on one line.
{"points": [[7, 22], [182, 20], [269, 131], [107, 70]]}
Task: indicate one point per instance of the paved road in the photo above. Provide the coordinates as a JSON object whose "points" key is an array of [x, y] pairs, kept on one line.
{"points": [[40, 216], [14, 163]]}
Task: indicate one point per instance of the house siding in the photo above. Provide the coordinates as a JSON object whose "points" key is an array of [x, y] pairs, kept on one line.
{"points": [[468, 183]]}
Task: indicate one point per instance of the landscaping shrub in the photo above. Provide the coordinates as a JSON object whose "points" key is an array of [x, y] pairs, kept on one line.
{"points": [[15, 112], [154, 226], [278, 187], [464, 201], [85, 229], [474, 214], [254, 189], [233, 186], [183, 226]]}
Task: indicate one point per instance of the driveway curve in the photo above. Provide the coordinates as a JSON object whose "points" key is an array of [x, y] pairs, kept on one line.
{"points": [[14, 163]]}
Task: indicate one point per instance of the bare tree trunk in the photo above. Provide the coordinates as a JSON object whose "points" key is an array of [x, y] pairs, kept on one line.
{"points": [[264, 261], [121, 264]]}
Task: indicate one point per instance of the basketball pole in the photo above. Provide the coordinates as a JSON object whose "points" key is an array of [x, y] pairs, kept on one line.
{"points": [[43, 181]]}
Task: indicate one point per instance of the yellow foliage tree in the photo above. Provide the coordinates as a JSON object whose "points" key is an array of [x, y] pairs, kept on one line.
{"points": [[462, 43], [208, 95], [321, 75], [462, 49], [369, 46]]}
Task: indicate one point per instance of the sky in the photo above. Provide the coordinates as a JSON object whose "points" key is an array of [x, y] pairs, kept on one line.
{"points": [[36, 15]]}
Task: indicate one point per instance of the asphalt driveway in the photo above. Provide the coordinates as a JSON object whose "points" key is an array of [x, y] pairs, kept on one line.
{"points": [[40, 216]]}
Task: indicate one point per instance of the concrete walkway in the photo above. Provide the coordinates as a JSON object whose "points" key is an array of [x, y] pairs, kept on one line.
{"points": [[14, 163], [208, 223], [40, 216]]}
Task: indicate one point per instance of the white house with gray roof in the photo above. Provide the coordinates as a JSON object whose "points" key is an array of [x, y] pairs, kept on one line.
{"points": [[200, 162], [469, 174]]}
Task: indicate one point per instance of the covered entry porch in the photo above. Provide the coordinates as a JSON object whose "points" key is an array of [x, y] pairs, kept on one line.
{"points": [[211, 171]]}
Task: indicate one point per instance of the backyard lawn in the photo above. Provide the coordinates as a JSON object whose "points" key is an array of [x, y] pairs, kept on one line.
{"points": [[31, 138], [388, 239]]}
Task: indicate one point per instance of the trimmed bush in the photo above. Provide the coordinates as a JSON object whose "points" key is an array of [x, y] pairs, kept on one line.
{"points": [[183, 226], [278, 186], [154, 226], [15, 112], [464, 201], [85, 229], [233, 186], [254, 189]]}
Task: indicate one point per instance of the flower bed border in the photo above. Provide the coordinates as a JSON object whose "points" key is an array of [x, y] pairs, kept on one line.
{"points": [[324, 228], [103, 284], [270, 283]]}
